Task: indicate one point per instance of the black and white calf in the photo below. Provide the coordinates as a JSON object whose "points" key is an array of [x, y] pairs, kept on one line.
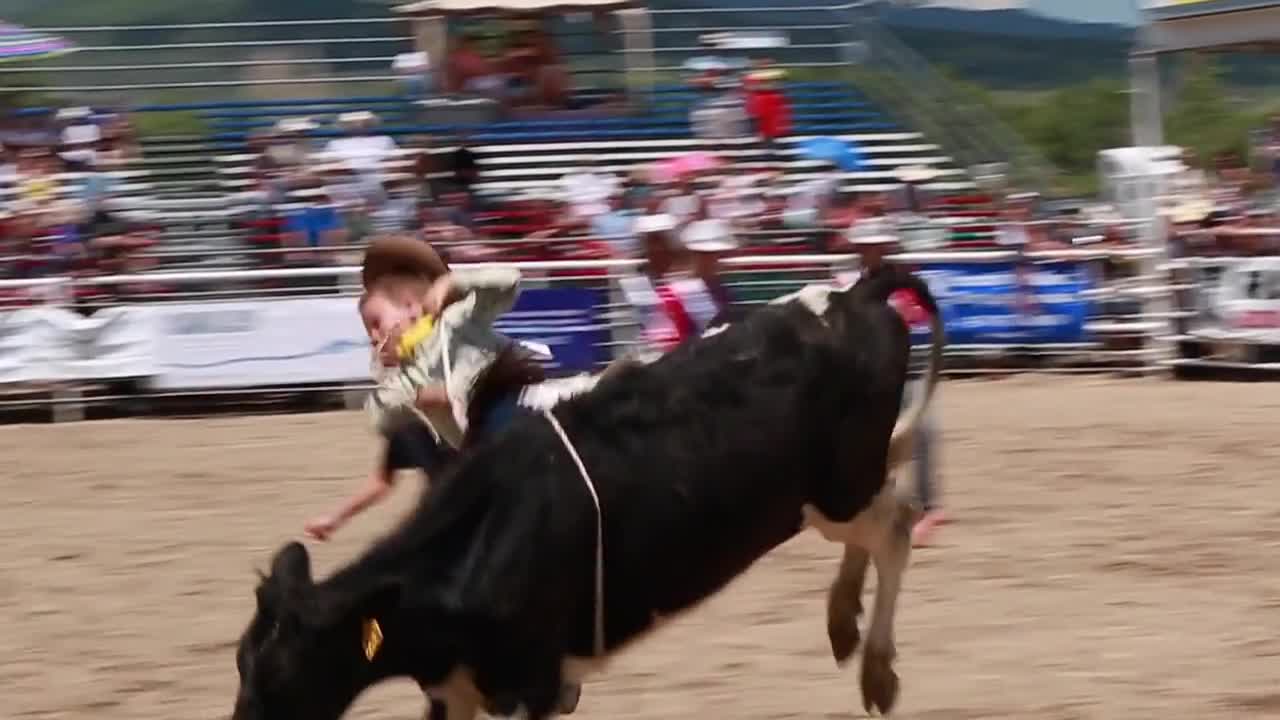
{"points": [[703, 461]]}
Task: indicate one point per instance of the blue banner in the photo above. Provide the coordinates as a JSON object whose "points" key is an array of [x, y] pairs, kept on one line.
{"points": [[567, 320], [1009, 304]]}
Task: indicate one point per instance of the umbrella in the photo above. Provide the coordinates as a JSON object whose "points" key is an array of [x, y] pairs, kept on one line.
{"points": [[843, 155], [682, 165], [19, 43]]}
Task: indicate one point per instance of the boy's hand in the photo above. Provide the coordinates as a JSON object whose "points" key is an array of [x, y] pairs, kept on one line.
{"points": [[432, 396], [322, 528], [389, 350]]}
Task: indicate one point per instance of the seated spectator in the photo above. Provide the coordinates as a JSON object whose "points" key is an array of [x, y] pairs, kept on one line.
{"points": [[79, 138], [442, 228], [614, 225], [8, 175], [462, 166], [808, 202], [288, 146], [588, 188], [468, 70], [119, 139], [363, 149], [413, 70], [536, 76], [398, 212], [721, 114], [316, 225], [37, 176]]}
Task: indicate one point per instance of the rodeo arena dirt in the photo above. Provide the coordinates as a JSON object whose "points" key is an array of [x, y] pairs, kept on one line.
{"points": [[1091, 535], [1111, 555]]}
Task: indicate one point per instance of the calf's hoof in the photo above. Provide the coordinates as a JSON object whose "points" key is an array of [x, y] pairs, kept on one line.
{"points": [[879, 682], [570, 694], [842, 631]]}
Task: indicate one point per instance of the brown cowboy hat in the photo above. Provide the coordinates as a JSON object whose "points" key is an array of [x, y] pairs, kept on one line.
{"points": [[400, 255]]}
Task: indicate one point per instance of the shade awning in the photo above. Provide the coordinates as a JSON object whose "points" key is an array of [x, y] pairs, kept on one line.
{"points": [[450, 7]]}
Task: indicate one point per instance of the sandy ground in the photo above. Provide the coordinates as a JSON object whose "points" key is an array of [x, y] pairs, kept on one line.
{"points": [[1115, 553]]}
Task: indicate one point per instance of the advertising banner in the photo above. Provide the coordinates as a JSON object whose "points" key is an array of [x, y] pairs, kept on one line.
{"points": [[567, 320], [49, 344], [1239, 302], [1001, 304], [263, 342], [321, 340]]}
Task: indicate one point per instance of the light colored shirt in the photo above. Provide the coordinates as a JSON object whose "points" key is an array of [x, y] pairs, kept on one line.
{"points": [[462, 346], [362, 153]]}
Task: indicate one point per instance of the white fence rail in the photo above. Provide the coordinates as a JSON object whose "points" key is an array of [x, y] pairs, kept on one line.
{"points": [[1074, 317]]}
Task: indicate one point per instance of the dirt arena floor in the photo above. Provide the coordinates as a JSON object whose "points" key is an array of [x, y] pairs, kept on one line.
{"points": [[1115, 553]]}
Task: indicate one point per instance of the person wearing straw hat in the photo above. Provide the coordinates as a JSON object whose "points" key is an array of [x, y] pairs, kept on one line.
{"points": [[874, 240]]}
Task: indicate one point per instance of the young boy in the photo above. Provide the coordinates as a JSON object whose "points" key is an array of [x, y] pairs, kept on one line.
{"points": [[415, 408], [445, 377]]}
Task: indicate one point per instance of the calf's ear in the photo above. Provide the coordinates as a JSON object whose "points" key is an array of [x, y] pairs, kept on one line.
{"points": [[291, 567]]}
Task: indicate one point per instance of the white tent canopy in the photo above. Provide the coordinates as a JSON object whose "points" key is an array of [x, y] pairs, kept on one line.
{"points": [[509, 6]]}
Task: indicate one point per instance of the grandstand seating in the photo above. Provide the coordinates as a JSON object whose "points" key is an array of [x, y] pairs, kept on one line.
{"points": [[196, 187]]}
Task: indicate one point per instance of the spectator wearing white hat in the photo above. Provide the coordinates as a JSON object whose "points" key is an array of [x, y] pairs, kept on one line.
{"points": [[709, 240], [670, 300], [79, 139], [413, 70], [363, 149]]}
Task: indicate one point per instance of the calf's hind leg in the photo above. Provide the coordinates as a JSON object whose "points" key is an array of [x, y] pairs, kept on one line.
{"points": [[890, 555], [881, 533], [844, 603]]}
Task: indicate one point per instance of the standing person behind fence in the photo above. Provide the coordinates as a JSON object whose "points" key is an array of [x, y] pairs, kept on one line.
{"points": [[873, 239]]}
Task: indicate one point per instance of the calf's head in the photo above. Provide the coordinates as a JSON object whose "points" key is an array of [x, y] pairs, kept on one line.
{"points": [[304, 656]]}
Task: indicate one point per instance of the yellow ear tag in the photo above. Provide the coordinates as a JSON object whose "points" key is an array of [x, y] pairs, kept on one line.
{"points": [[411, 338], [372, 638]]}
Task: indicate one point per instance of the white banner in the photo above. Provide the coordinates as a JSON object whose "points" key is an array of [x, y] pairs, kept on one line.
{"points": [[1244, 303], [44, 344], [259, 343]]}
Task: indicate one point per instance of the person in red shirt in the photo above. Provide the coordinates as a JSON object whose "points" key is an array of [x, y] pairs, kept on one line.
{"points": [[768, 107]]}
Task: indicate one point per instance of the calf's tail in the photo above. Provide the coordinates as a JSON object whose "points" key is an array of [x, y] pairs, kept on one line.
{"points": [[878, 288]]}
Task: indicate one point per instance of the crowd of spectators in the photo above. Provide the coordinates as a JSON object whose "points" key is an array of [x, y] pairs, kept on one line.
{"points": [[1228, 206], [60, 212]]}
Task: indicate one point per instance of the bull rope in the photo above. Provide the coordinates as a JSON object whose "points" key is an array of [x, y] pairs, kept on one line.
{"points": [[598, 645]]}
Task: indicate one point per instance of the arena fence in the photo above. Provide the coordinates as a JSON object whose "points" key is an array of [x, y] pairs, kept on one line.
{"points": [[211, 334]]}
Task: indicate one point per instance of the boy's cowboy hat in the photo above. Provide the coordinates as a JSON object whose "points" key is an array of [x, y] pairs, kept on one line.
{"points": [[400, 255]]}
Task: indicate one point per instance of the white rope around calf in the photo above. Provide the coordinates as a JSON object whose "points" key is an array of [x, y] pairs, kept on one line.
{"points": [[598, 645]]}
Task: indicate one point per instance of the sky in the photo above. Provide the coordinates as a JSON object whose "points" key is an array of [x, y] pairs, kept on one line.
{"points": [[1111, 11]]}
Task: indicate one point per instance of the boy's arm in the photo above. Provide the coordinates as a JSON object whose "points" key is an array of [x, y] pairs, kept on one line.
{"points": [[374, 489], [495, 289]]}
